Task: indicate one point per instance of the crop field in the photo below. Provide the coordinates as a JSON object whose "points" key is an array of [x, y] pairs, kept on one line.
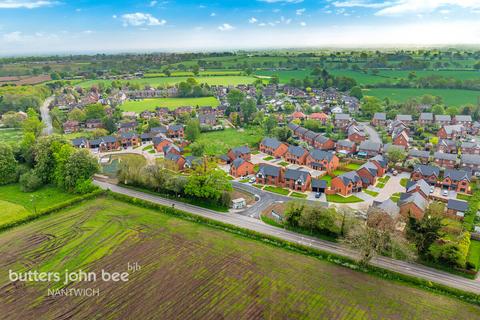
{"points": [[219, 142], [16, 204], [171, 103], [11, 135], [170, 81], [210, 72], [190, 271], [451, 97]]}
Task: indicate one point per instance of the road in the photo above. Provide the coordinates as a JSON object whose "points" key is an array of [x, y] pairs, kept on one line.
{"points": [[250, 223], [372, 133], [45, 113]]}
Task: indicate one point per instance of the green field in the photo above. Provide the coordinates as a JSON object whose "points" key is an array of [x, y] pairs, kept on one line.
{"points": [[11, 135], [190, 269], [171, 103], [339, 199], [277, 190], [218, 142], [16, 204], [451, 97], [170, 81]]}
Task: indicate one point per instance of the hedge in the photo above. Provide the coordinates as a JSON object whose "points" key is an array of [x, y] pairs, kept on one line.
{"points": [[319, 254], [51, 209]]}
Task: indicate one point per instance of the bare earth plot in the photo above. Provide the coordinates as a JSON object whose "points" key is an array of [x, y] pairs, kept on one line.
{"points": [[189, 271]]}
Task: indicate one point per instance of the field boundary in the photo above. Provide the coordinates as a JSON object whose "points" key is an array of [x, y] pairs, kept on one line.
{"points": [[49, 210], [319, 254]]}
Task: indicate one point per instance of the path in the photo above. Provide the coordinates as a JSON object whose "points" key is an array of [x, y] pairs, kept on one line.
{"points": [[403, 267], [46, 118], [372, 133]]}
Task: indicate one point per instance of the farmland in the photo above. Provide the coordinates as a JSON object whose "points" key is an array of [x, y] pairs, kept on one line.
{"points": [[218, 142], [455, 97], [10, 135], [171, 103], [170, 81], [191, 270]]}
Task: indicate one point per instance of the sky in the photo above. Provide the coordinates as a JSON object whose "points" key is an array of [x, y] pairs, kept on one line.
{"points": [[88, 26]]}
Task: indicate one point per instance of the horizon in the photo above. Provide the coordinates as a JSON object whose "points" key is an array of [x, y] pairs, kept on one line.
{"points": [[34, 27]]}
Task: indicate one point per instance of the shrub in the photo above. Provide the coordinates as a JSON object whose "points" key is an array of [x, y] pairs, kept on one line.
{"points": [[30, 182], [85, 186]]}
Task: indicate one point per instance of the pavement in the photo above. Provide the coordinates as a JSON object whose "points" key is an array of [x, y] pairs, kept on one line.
{"points": [[46, 118], [408, 268], [372, 133]]}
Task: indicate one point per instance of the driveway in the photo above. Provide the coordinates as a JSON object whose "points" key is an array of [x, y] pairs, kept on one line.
{"points": [[46, 118], [372, 133]]}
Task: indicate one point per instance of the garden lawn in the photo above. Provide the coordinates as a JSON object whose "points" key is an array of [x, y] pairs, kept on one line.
{"points": [[11, 135], [328, 179], [283, 163], [370, 192], [462, 196], [205, 271], [298, 195], [353, 166], [339, 172], [474, 254], [380, 185], [339, 199], [403, 182], [171, 103], [395, 197], [268, 158], [278, 190], [219, 142]]}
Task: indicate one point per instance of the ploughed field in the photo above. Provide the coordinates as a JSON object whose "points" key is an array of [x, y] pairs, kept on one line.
{"points": [[190, 271]]}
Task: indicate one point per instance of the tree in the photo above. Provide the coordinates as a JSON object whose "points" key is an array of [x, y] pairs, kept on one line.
{"points": [[12, 120], [438, 109], [61, 158], [196, 70], [198, 148], [293, 213], [44, 152], [192, 130], [368, 241], [208, 183], [396, 155], [274, 79], [248, 107], [356, 92], [8, 164], [94, 111], [269, 124], [452, 111], [77, 115], [235, 97], [282, 133], [476, 66], [29, 181], [33, 124], [371, 105], [80, 166], [423, 232]]}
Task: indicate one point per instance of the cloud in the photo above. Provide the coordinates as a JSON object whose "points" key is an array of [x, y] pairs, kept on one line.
{"points": [[252, 20], [361, 4], [303, 24], [299, 12], [281, 1], [25, 4], [401, 7], [141, 19], [153, 3], [15, 36], [213, 14], [226, 27]]}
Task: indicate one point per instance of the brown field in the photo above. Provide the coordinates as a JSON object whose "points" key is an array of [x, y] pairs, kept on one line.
{"points": [[24, 80], [190, 271]]}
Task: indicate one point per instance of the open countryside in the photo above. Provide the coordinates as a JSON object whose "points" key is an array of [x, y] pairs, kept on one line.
{"points": [[205, 271], [171, 103]]}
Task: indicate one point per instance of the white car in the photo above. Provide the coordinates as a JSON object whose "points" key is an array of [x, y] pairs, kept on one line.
{"points": [[445, 193], [252, 180], [432, 189]]}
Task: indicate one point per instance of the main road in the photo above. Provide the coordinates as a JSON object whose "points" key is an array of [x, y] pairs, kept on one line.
{"points": [[46, 118], [408, 268]]}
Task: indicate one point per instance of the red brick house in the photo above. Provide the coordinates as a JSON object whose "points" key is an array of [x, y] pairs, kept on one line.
{"points": [[322, 160], [457, 180], [319, 116], [368, 174], [381, 163], [239, 152], [70, 126], [426, 172], [454, 132], [160, 142], [346, 147], [379, 119], [425, 119], [470, 148], [241, 168], [447, 146], [177, 161], [268, 174], [176, 131], [355, 134], [401, 139], [107, 143], [93, 124], [412, 204], [298, 180], [273, 147], [323, 143], [298, 115], [347, 183], [130, 139], [457, 208], [420, 186], [296, 155], [309, 137], [445, 160], [341, 120]]}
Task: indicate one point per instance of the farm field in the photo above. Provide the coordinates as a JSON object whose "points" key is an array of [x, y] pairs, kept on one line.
{"points": [[16, 204], [218, 142], [206, 272], [169, 81], [451, 97], [211, 72], [171, 103], [11, 135]]}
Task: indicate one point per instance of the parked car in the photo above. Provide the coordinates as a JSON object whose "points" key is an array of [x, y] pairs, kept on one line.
{"points": [[445, 193], [317, 195], [252, 180], [432, 189], [395, 172]]}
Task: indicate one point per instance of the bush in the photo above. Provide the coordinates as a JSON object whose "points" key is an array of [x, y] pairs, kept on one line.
{"points": [[85, 186], [30, 182]]}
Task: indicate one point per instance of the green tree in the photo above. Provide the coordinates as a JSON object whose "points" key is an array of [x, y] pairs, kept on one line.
{"points": [[44, 151], [438, 109], [396, 155], [94, 111], [452, 111], [371, 105], [196, 70], [80, 166], [235, 97], [77, 115], [248, 108], [423, 232], [269, 124], [8, 164], [192, 130], [356, 92], [32, 124], [12, 120], [207, 183]]}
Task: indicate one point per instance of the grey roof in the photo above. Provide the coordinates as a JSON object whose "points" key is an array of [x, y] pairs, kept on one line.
{"points": [[310, 134], [415, 198], [296, 151], [426, 170], [321, 155], [268, 170], [157, 140], [457, 175], [346, 143], [79, 141], [404, 117], [442, 117], [454, 128], [419, 153], [342, 116], [464, 118], [370, 167], [381, 160], [471, 159], [351, 176], [128, 135], [131, 124], [271, 143], [466, 144], [241, 150], [445, 156], [146, 135], [447, 142], [175, 127], [388, 206], [161, 129], [427, 116], [422, 184], [318, 183], [297, 175], [237, 162], [457, 205], [292, 126], [380, 116], [354, 129], [190, 161], [300, 130], [172, 156], [387, 147], [170, 147], [321, 139], [370, 145]]}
